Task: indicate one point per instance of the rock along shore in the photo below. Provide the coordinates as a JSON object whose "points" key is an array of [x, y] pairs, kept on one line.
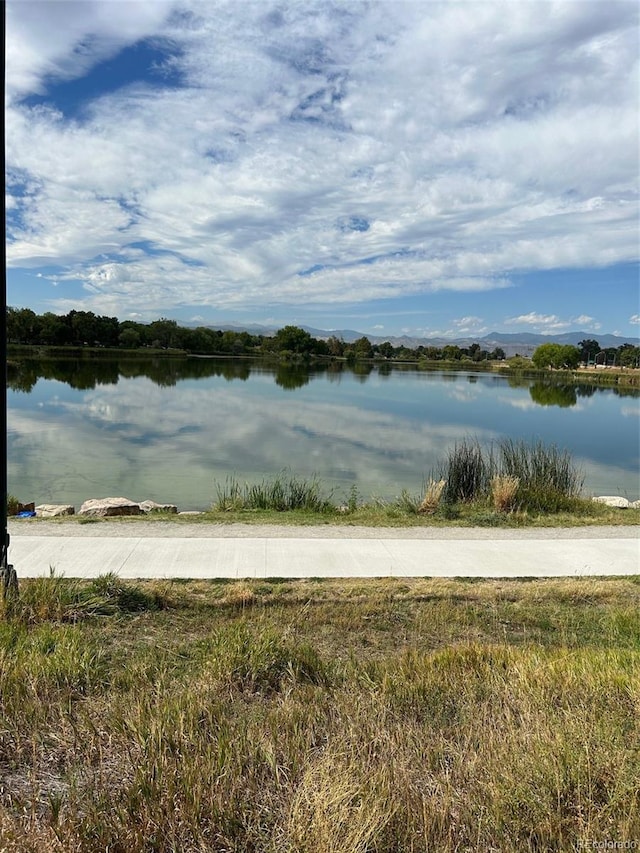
{"points": [[108, 507]]}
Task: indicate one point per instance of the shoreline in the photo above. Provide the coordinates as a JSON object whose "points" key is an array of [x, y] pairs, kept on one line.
{"points": [[598, 375], [144, 527]]}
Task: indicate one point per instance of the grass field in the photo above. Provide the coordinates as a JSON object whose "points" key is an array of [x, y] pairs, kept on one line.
{"points": [[375, 716]]}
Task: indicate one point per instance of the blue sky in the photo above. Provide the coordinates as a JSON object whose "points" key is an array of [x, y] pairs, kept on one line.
{"points": [[428, 168]]}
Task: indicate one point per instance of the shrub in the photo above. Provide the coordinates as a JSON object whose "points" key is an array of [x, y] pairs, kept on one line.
{"points": [[519, 362]]}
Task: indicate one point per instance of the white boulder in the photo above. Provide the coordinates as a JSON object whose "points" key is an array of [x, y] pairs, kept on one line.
{"points": [[102, 507], [53, 510], [152, 506], [613, 500]]}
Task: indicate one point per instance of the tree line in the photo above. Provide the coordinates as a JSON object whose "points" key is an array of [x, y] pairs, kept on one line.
{"points": [[86, 329], [589, 352]]}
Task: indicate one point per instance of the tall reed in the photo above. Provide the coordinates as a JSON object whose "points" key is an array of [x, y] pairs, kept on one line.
{"points": [[283, 492], [548, 478], [467, 471]]}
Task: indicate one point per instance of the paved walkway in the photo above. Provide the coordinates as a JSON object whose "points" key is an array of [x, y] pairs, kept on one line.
{"points": [[167, 550]]}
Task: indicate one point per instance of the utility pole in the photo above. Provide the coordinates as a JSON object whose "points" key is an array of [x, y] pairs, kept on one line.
{"points": [[8, 577]]}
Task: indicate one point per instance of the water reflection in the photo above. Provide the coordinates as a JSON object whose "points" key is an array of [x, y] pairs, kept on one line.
{"points": [[545, 394], [84, 374], [168, 429], [291, 377], [87, 374], [567, 395]]}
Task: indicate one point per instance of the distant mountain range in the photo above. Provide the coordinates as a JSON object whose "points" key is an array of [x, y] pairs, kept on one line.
{"points": [[523, 343]]}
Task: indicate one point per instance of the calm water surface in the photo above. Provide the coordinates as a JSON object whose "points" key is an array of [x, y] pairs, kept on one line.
{"points": [[170, 430]]}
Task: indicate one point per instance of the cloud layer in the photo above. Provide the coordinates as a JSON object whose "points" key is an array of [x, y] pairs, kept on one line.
{"points": [[318, 152]]}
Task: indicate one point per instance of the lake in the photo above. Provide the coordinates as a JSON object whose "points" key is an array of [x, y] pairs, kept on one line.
{"points": [[169, 430]]}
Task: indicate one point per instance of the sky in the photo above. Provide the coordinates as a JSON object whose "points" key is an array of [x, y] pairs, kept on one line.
{"points": [[391, 166]]}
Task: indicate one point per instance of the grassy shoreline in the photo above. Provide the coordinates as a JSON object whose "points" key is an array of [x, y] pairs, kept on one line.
{"points": [[366, 516], [320, 716]]}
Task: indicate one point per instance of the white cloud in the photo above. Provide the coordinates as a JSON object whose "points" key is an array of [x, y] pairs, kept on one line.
{"points": [[324, 136], [635, 319], [551, 323], [533, 319], [460, 327], [585, 320], [64, 40], [468, 321], [521, 403]]}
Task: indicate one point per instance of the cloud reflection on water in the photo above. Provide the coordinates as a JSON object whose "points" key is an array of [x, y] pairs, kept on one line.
{"points": [[171, 442]]}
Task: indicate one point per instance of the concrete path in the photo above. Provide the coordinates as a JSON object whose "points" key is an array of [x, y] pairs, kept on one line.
{"points": [[162, 550]]}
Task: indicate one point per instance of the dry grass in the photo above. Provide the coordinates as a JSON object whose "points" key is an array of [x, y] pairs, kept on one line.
{"points": [[381, 716], [503, 492], [432, 496]]}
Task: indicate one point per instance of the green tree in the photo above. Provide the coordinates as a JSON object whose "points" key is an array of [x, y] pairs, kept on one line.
{"points": [[475, 352], [628, 356], [54, 330], [202, 340], [232, 342], [293, 339], [546, 355], [385, 349], [23, 326], [84, 329], [557, 356], [107, 331], [432, 353], [129, 338], [363, 348], [588, 349], [163, 333], [451, 352], [335, 346]]}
